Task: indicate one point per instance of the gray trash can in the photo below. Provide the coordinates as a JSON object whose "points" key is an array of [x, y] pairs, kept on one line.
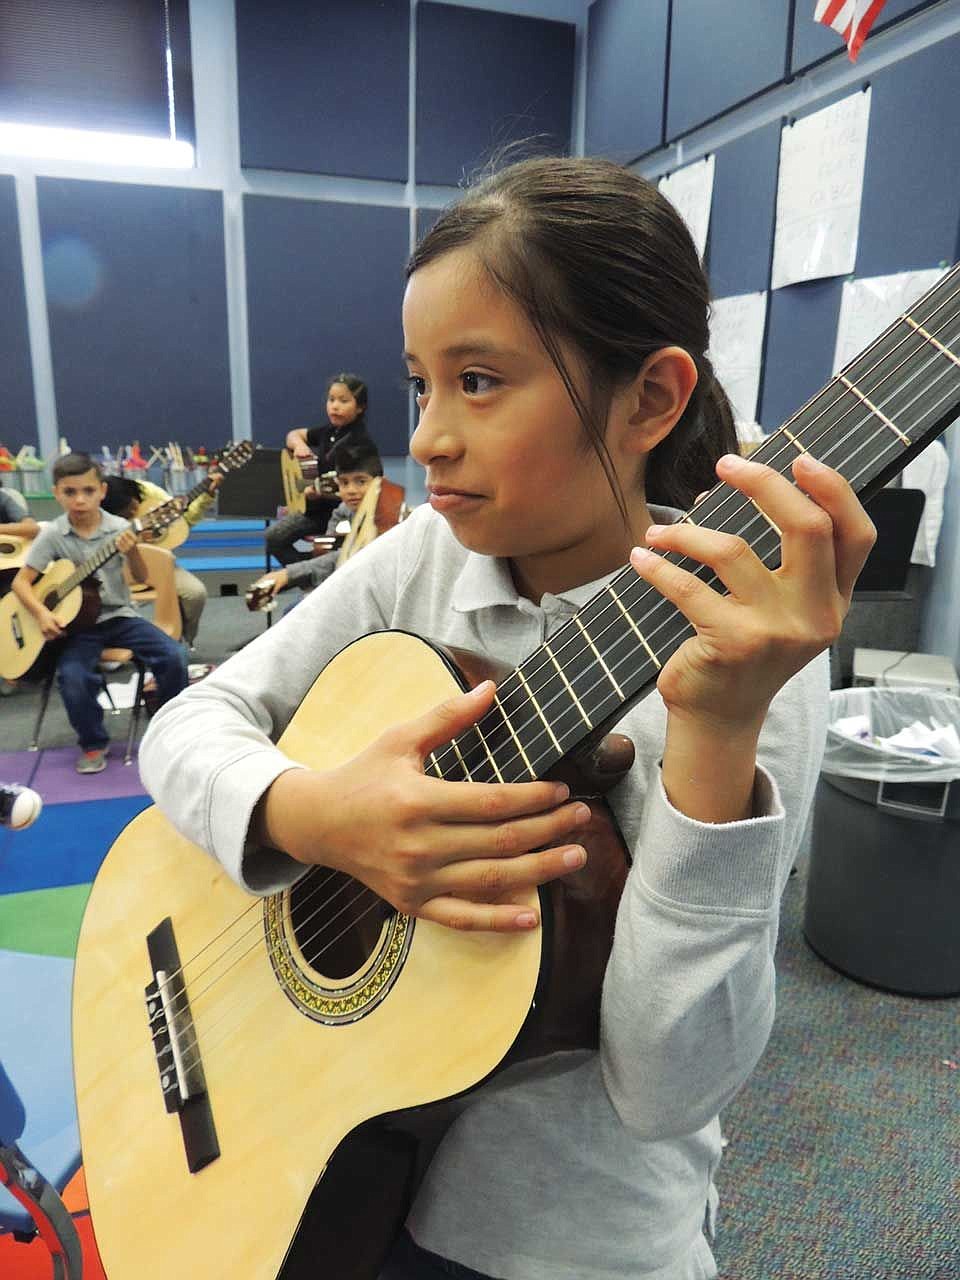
{"points": [[883, 891]]}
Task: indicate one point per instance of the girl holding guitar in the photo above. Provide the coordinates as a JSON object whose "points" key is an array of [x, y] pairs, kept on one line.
{"points": [[555, 324]]}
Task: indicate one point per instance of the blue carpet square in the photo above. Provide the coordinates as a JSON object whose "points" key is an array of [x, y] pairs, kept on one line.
{"points": [[65, 845]]}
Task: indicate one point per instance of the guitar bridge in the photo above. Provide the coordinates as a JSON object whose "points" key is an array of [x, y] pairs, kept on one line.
{"points": [[179, 1064]]}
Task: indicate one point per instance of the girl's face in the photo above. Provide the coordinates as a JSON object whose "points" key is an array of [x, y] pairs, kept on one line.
{"points": [[507, 464], [342, 407]]}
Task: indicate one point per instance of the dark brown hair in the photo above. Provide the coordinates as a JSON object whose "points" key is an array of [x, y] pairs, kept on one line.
{"points": [[75, 464], [598, 259]]}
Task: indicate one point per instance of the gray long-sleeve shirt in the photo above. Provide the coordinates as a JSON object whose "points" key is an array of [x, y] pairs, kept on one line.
{"points": [[587, 1165]]}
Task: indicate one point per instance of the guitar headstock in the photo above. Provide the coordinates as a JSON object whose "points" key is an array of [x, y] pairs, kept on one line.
{"points": [[260, 598], [235, 456]]}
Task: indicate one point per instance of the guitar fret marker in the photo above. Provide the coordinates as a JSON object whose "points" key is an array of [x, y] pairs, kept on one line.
{"points": [[607, 672], [930, 338], [873, 408], [532, 771], [563, 677], [546, 722], [639, 634]]}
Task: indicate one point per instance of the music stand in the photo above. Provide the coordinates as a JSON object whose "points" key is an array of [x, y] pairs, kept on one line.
{"points": [[897, 514], [254, 491]]}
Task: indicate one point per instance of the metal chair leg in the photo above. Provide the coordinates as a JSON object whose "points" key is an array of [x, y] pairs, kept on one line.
{"points": [[135, 712], [44, 699]]}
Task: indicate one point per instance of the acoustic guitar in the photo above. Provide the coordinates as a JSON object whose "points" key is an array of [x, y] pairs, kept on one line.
{"points": [[302, 478], [178, 530], [233, 1055], [13, 550], [70, 592]]}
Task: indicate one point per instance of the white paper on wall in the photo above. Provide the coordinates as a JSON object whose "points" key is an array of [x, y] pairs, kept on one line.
{"points": [[736, 349], [868, 306], [690, 191], [818, 192]]}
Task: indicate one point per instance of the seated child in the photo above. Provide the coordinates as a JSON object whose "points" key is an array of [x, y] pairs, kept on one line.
{"points": [[357, 465], [124, 495], [77, 535]]}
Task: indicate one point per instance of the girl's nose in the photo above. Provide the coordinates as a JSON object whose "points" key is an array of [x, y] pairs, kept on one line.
{"points": [[434, 438]]}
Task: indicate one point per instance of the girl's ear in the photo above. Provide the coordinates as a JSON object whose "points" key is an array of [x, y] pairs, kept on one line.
{"points": [[655, 399]]}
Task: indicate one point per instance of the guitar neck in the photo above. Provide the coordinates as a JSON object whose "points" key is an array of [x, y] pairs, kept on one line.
{"points": [[867, 423], [91, 564]]}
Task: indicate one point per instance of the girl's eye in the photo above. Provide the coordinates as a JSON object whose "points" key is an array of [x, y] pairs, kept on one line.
{"points": [[418, 384], [477, 384]]}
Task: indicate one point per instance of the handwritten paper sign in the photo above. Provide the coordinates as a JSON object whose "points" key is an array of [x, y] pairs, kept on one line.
{"points": [[736, 349], [690, 191], [818, 193], [868, 306]]}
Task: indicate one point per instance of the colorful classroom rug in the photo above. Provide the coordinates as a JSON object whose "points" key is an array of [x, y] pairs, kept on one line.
{"points": [[45, 877]]}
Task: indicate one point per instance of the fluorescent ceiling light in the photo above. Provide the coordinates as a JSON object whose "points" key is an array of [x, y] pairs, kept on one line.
{"points": [[41, 142]]}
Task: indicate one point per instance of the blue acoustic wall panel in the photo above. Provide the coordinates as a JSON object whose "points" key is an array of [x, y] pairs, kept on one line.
{"points": [[18, 419], [910, 211], [136, 296], [323, 88], [721, 55], [801, 336], [812, 41], [324, 290], [486, 79], [626, 77], [743, 213]]}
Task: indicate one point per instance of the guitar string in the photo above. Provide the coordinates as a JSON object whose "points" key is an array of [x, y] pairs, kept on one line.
{"points": [[599, 682], [448, 753], [787, 448], [377, 901]]}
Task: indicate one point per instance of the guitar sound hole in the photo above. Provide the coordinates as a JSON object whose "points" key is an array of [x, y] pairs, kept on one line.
{"points": [[337, 922]]}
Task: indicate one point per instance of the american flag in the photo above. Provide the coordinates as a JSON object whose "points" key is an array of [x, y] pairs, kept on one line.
{"points": [[851, 18]]}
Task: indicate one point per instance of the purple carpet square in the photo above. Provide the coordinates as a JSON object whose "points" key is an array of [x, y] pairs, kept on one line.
{"points": [[18, 766], [59, 783]]}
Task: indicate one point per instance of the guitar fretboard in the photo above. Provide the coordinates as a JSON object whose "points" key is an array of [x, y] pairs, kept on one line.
{"points": [[869, 421]]}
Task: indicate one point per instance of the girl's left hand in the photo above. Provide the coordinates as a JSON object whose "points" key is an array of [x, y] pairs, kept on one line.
{"points": [[773, 622]]}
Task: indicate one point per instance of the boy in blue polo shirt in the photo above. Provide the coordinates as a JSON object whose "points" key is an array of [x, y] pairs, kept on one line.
{"points": [[77, 535]]}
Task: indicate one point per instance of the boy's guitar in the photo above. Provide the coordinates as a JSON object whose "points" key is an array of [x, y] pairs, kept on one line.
{"points": [[177, 531], [247, 1066], [70, 591], [13, 550], [303, 479]]}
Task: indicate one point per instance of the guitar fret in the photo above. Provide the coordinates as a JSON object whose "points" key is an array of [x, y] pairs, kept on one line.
{"points": [[539, 711], [639, 634], [607, 672], [794, 441], [490, 755], [463, 763], [931, 339], [435, 764], [873, 408], [513, 734], [563, 677], [766, 517]]}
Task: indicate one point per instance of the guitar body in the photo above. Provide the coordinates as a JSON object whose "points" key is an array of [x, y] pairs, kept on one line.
{"points": [[13, 550], [172, 535], [21, 640], [303, 480], [296, 1062]]}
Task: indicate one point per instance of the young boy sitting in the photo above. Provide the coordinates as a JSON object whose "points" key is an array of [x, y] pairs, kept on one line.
{"points": [[78, 534], [357, 465]]}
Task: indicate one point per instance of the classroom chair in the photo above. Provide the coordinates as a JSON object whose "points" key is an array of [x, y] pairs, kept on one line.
{"points": [[161, 592]]}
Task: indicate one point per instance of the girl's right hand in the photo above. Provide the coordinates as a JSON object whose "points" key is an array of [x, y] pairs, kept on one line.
{"points": [[455, 853]]}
